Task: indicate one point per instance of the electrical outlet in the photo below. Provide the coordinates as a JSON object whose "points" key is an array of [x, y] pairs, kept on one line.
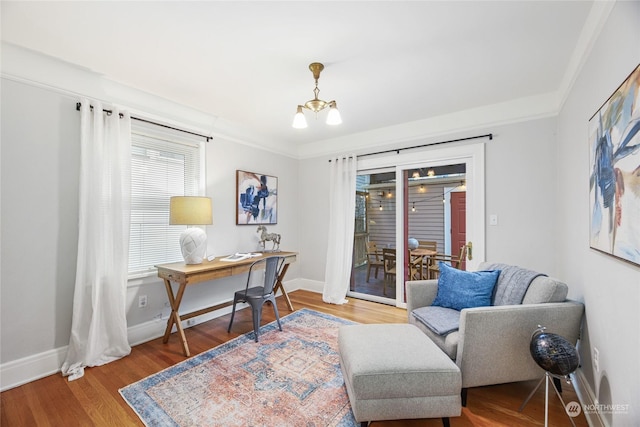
{"points": [[191, 322], [493, 219], [142, 301], [596, 359]]}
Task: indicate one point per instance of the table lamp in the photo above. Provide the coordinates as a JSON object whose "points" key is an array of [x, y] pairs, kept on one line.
{"points": [[189, 210]]}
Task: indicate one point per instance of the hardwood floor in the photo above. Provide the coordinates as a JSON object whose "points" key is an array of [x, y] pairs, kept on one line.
{"points": [[94, 399]]}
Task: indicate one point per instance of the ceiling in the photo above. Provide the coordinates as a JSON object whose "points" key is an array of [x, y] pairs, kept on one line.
{"points": [[386, 63]]}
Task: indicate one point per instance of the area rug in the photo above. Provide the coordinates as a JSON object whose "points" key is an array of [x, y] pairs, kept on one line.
{"points": [[289, 378]]}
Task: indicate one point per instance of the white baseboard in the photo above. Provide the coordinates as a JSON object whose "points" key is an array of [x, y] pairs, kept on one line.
{"points": [[37, 366], [587, 399], [305, 284], [31, 368]]}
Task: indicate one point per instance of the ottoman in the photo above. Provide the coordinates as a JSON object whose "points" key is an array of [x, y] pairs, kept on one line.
{"points": [[394, 371]]}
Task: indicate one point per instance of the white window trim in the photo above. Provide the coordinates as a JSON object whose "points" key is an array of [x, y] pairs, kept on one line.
{"points": [[149, 130]]}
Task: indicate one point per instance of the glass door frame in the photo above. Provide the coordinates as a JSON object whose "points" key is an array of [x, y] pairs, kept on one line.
{"points": [[362, 295], [472, 155]]}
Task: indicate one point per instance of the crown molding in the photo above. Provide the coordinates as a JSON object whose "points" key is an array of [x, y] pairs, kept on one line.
{"points": [[593, 25], [485, 117], [36, 69]]}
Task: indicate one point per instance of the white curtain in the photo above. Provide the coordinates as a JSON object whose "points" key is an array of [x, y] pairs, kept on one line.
{"points": [[342, 205], [99, 325]]}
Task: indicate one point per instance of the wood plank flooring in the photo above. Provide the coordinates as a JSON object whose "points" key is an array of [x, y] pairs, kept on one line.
{"points": [[94, 399]]}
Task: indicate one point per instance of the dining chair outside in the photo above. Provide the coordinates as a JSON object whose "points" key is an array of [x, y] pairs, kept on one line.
{"points": [[455, 261], [432, 246], [374, 259], [414, 266], [389, 260], [428, 244], [256, 296]]}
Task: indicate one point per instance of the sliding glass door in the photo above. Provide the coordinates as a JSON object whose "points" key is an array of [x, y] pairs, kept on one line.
{"points": [[434, 198], [373, 275]]}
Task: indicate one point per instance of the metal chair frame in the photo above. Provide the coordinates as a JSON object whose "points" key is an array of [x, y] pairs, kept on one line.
{"points": [[256, 296]]}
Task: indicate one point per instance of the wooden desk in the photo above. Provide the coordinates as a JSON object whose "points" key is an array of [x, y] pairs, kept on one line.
{"points": [[185, 275]]}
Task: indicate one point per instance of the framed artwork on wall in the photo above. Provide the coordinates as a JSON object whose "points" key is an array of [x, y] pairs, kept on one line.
{"points": [[256, 198], [614, 184]]}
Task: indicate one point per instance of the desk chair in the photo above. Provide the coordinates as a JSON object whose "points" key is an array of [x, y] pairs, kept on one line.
{"points": [[256, 296]]}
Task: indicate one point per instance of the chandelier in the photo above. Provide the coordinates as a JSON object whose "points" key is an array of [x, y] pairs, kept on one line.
{"points": [[316, 105]]}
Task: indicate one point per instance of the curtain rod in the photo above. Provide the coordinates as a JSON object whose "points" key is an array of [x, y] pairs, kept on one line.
{"points": [[398, 150], [208, 138]]}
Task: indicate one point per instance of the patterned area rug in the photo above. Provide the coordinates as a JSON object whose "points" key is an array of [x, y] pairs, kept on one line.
{"points": [[289, 378]]}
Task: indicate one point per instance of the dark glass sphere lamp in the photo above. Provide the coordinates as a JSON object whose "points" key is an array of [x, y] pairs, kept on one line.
{"points": [[553, 353]]}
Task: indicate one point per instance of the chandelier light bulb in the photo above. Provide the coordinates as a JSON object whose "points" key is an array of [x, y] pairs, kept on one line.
{"points": [[299, 121], [333, 118]]}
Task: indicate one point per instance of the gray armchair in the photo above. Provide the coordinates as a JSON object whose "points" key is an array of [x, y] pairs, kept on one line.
{"points": [[491, 345]]}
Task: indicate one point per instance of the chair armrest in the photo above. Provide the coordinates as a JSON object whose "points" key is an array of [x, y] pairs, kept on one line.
{"points": [[494, 341], [420, 293]]}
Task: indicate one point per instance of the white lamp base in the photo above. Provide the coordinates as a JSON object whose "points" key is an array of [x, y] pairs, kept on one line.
{"points": [[193, 242]]}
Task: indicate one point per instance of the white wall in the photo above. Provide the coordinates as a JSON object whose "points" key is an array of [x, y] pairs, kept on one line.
{"points": [[520, 179], [39, 207], [40, 159], [521, 176], [609, 287]]}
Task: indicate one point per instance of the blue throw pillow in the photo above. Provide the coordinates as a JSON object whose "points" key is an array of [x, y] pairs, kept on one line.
{"points": [[460, 289]]}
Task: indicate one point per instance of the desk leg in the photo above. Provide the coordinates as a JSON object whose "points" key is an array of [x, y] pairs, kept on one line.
{"points": [[174, 318], [280, 286]]}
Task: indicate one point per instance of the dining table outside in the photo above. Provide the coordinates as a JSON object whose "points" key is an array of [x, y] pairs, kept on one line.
{"points": [[421, 258]]}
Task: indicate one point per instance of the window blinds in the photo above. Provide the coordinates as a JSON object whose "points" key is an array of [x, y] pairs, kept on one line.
{"points": [[162, 165]]}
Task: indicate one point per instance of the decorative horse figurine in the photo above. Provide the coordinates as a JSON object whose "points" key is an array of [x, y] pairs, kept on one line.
{"points": [[264, 237]]}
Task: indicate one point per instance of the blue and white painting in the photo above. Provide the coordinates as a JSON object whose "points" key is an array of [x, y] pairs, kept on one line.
{"points": [[614, 195], [257, 198]]}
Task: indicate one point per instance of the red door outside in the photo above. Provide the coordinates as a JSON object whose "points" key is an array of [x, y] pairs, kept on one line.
{"points": [[458, 223]]}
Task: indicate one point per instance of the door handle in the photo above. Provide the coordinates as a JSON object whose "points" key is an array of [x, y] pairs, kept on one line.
{"points": [[469, 251]]}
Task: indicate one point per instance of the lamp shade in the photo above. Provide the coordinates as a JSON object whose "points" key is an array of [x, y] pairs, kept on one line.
{"points": [[190, 210]]}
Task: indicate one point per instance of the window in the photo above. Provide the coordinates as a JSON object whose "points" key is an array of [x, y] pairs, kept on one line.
{"points": [[163, 164]]}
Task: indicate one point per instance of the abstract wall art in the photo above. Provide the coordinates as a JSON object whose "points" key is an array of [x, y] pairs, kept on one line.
{"points": [[614, 184], [256, 198]]}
